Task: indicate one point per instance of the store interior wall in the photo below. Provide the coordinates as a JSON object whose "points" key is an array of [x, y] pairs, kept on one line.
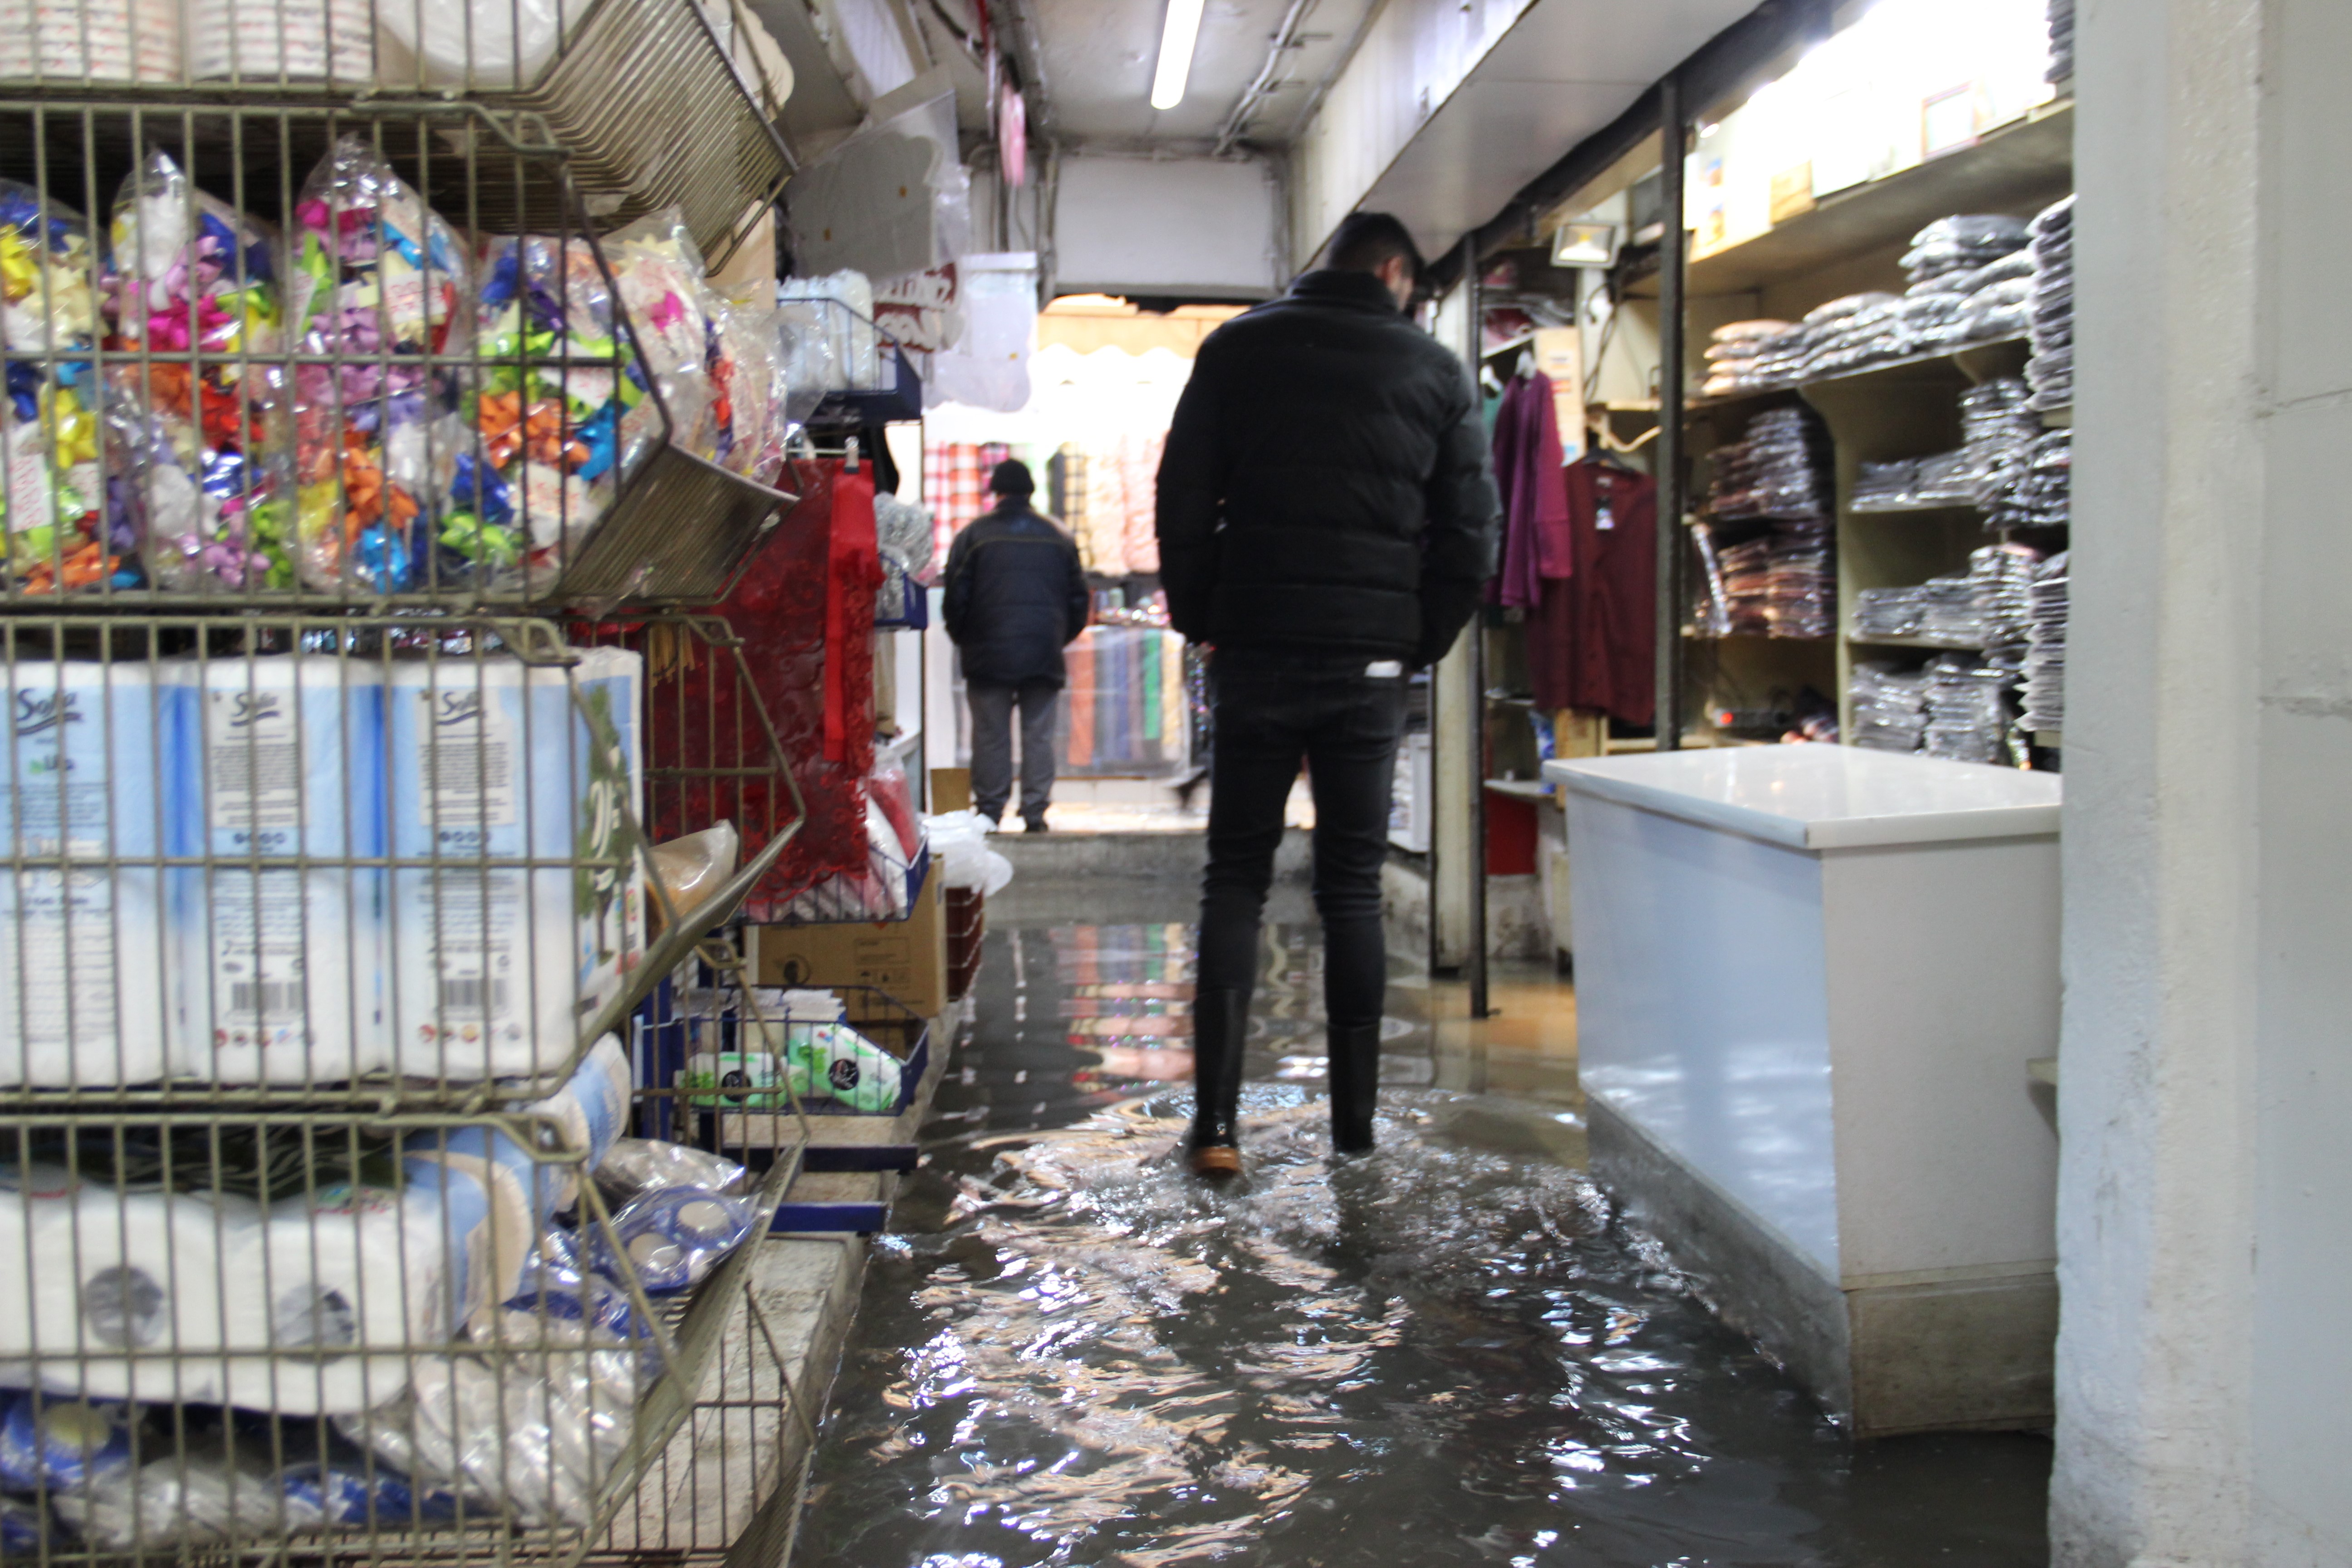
{"points": [[1195, 227], [2204, 1374]]}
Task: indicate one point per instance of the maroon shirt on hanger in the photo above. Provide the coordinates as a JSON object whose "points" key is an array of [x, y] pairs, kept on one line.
{"points": [[1591, 641]]}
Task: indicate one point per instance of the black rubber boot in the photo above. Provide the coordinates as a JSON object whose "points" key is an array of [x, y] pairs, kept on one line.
{"points": [[1354, 1057], [1220, 1027]]}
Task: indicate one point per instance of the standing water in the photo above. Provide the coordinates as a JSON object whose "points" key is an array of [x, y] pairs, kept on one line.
{"points": [[1449, 1352]]}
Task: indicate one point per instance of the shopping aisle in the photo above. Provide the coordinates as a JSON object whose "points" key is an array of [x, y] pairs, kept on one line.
{"points": [[1067, 1352]]}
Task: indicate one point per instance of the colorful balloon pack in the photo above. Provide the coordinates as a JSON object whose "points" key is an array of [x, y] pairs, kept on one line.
{"points": [[54, 498], [380, 281], [194, 283]]}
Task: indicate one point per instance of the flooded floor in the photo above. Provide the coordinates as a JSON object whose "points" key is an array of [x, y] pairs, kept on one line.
{"points": [[1446, 1352]]}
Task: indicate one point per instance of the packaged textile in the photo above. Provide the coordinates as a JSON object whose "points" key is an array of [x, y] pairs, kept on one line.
{"points": [[197, 432], [496, 969], [53, 498], [534, 1427], [376, 277], [2044, 698], [2051, 371], [82, 994]]}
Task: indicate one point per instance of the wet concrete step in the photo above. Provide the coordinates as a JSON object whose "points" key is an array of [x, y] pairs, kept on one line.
{"points": [[1138, 857]]}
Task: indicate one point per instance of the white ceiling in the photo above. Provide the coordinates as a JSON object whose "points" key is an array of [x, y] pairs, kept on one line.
{"points": [[1564, 71], [1101, 54]]}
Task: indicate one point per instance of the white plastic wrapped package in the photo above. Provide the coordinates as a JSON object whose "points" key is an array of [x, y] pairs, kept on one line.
{"points": [[208, 1493], [471, 43], [495, 970], [959, 841], [82, 994], [534, 1427], [674, 1236], [835, 343], [223, 1281], [635, 1166], [989, 366]]}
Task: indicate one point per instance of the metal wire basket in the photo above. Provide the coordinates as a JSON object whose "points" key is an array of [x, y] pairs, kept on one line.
{"points": [[644, 92], [288, 378], [325, 859]]}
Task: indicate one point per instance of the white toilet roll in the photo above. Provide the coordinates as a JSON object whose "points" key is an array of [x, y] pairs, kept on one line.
{"points": [[496, 967], [81, 943], [280, 971], [305, 1308]]}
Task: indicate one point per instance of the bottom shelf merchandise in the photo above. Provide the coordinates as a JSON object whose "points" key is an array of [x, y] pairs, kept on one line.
{"points": [[404, 1335]]}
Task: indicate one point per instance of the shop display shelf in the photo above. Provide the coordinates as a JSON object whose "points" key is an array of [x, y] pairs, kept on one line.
{"points": [[282, 1341], [641, 93], [2016, 167], [675, 528]]}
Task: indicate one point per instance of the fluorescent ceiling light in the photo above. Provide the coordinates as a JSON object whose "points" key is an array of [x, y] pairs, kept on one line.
{"points": [[1176, 38]]}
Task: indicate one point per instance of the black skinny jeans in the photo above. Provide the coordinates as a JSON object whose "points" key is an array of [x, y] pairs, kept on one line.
{"points": [[1272, 709]]}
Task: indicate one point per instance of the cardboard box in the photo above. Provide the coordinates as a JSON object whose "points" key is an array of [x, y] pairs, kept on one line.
{"points": [[907, 959], [951, 790]]}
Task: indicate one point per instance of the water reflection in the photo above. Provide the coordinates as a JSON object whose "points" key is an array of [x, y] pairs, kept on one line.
{"points": [[1446, 1354]]}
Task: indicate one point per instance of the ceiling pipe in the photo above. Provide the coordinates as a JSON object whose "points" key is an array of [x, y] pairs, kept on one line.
{"points": [[1269, 75]]}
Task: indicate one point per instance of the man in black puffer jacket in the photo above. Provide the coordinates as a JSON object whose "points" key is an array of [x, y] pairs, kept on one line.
{"points": [[1327, 519], [1015, 595]]}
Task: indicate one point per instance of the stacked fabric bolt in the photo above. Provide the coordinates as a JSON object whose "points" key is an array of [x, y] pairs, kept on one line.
{"points": [[1731, 352], [1966, 697], [2051, 371], [2002, 579], [1849, 333], [1779, 467], [1889, 706], [1997, 435], [2061, 41], [1885, 487], [1800, 586], [1971, 277], [2045, 648], [2043, 493]]}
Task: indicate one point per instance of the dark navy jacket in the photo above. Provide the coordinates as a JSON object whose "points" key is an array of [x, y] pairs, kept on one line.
{"points": [[1015, 594]]}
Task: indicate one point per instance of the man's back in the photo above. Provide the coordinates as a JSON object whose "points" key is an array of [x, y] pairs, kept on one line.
{"points": [[1325, 481], [1015, 594]]}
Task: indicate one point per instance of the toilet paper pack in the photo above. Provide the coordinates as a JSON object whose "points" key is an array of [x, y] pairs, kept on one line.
{"points": [[82, 989], [280, 972], [305, 1306], [516, 904]]}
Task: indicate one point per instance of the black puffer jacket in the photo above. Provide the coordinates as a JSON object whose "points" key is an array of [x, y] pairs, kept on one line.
{"points": [[1015, 595], [1326, 481]]}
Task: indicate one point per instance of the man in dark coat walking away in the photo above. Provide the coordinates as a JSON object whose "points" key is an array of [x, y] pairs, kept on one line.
{"points": [[1327, 519], [1015, 597]]}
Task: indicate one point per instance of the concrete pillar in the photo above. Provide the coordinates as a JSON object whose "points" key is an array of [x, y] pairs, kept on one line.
{"points": [[2204, 1383]]}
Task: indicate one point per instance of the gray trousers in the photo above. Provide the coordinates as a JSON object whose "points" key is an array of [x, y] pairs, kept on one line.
{"points": [[992, 746]]}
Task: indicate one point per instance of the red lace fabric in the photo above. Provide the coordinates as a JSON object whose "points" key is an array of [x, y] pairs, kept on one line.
{"points": [[796, 624]]}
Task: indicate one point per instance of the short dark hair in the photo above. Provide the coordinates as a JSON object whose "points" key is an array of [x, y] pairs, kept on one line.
{"points": [[1011, 478], [1365, 240]]}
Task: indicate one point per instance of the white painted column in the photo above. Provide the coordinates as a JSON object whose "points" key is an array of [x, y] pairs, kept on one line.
{"points": [[2204, 1373]]}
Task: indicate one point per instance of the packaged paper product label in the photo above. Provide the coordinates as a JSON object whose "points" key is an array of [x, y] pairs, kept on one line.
{"points": [[82, 998], [515, 902], [281, 973]]}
